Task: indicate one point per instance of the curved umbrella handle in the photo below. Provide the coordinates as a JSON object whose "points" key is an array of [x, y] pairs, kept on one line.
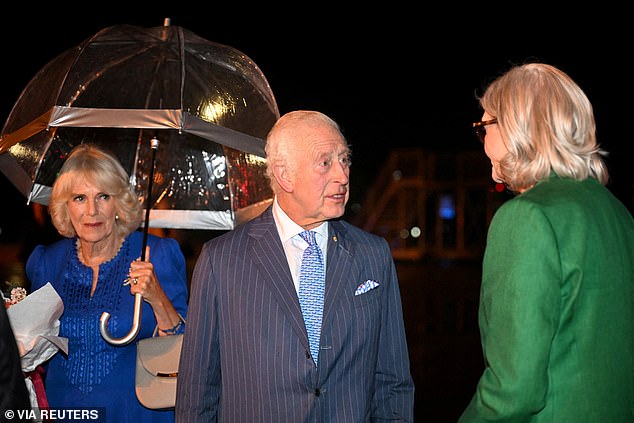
{"points": [[134, 331], [136, 317]]}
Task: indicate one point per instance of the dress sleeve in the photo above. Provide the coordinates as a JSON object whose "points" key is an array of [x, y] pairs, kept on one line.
{"points": [[170, 268], [36, 268]]}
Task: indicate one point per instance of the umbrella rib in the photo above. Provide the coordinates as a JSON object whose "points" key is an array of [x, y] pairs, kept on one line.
{"points": [[95, 75]]}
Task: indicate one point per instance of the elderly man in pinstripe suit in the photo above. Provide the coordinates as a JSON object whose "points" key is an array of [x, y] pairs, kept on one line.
{"points": [[246, 355]]}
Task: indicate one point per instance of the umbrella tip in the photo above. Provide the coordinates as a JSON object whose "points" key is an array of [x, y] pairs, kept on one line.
{"points": [[166, 22]]}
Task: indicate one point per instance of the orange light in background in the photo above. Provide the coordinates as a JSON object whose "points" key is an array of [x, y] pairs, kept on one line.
{"points": [[39, 214]]}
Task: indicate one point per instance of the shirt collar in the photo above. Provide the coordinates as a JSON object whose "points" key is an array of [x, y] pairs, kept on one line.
{"points": [[287, 229]]}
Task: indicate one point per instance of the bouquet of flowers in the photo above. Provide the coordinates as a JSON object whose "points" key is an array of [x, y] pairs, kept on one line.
{"points": [[36, 334], [17, 294]]}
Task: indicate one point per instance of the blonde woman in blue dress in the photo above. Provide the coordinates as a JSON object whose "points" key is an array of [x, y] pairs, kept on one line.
{"points": [[94, 208]]}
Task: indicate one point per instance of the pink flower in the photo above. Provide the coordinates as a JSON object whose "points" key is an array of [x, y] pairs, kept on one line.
{"points": [[17, 295]]}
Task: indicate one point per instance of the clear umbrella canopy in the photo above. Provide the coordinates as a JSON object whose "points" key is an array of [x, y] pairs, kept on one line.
{"points": [[209, 106]]}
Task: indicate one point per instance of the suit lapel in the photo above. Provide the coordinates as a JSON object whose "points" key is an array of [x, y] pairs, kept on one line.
{"points": [[270, 259], [339, 265]]}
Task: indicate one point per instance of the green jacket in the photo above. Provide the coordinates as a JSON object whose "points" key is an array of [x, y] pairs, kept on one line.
{"points": [[557, 308]]}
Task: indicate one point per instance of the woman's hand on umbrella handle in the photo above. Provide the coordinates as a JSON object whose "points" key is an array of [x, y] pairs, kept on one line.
{"points": [[143, 280], [149, 287]]}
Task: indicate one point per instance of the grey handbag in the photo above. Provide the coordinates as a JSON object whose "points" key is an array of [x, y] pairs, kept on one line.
{"points": [[157, 370]]}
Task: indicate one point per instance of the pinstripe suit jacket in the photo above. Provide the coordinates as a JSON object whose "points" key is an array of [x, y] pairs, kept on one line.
{"points": [[245, 354]]}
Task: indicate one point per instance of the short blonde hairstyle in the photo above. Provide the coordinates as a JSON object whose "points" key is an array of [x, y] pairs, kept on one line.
{"points": [[547, 124], [102, 169]]}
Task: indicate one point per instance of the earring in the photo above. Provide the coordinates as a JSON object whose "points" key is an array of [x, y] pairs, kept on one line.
{"points": [[116, 217]]}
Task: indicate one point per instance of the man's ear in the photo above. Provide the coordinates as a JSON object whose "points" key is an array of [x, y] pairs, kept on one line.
{"points": [[283, 177]]}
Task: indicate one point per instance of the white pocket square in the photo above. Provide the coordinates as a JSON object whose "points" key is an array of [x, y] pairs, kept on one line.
{"points": [[366, 286]]}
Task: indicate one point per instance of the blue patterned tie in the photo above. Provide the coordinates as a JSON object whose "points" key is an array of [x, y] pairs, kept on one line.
{"points": [[312, 280]]}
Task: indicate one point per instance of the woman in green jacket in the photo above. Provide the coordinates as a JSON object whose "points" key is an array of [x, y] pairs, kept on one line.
{"points": [[557, 297]]}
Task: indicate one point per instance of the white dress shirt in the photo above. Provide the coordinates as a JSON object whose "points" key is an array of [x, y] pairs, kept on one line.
{"points": [[294, 245]]}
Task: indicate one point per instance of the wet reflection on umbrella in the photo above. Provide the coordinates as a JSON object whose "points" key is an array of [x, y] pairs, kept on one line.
{"points": [[209, 104]]}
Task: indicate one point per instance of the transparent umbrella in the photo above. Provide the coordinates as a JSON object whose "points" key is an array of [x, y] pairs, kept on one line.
{"points": [[186, 117], [208, 104]]}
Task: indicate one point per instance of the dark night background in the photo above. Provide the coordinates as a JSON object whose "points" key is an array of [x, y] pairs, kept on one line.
{"points": [[393, 77]]}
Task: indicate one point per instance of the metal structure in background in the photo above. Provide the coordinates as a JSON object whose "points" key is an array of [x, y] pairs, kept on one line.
{"points": [[432, 204], [208, 104]]}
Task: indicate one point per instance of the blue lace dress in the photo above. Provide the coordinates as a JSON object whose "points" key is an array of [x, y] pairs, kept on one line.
{"points": [[97, 374]]}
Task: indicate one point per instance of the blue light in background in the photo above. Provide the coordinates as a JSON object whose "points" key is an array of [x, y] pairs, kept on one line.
{"points": [[447, 207]]}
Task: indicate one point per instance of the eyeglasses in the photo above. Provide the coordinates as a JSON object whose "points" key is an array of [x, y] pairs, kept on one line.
{"points": [[480, 128]]}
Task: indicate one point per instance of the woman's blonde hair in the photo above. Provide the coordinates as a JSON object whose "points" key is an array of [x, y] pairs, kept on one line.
{"points": [[102, 169], [547, 124]]}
